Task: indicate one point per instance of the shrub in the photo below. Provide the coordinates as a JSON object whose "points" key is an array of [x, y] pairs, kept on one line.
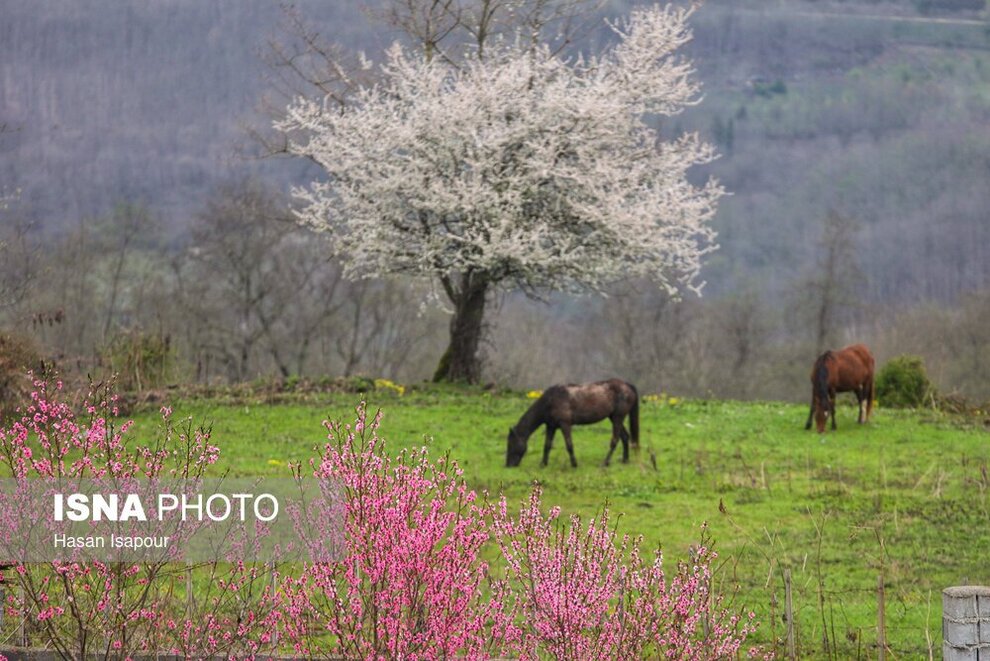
{"points": [[358, 384], [585, 593], [140, 359], [385, 385], [18, 356], [409, 584], [903, 383], [121, 609]]}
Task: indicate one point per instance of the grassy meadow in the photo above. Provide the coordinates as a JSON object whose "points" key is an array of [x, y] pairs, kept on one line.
{"points": [[904, 498]]}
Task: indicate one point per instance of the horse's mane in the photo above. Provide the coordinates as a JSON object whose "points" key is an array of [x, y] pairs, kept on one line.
{"points": [[821, 380], [537, 412]]}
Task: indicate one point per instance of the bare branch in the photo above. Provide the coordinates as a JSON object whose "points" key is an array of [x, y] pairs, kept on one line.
{"points": [[428, 23], [303, 64]]}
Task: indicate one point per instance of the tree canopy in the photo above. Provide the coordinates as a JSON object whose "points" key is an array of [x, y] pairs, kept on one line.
{"points": [[518, 168]]}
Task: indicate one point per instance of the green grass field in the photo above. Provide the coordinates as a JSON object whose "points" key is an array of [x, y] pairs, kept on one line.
{"points": [[904, 498]]}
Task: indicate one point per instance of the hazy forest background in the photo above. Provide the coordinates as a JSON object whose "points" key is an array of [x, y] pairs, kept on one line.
{"points": [[142, 231]]}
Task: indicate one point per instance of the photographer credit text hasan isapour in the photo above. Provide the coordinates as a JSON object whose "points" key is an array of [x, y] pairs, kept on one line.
{"points": [[258, 519]]}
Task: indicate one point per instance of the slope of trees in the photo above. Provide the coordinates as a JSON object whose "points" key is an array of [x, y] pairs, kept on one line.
{"points": [[233, 305], [247, 294], [132, 113], [867, 108]]}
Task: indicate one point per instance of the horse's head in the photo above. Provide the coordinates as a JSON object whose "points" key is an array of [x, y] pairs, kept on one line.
{"points": [[821, 397], [515, 448], [821, 413]]}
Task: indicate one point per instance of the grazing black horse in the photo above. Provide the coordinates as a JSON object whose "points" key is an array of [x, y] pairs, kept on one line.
{"points": [[562, 406]]}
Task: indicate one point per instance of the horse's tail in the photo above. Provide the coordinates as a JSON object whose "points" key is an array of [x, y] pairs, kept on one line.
{"points": [[873, 395], [873, 384], [821, 381], [634, 417]]}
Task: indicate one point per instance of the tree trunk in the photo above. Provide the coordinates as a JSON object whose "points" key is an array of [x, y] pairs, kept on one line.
{"points": [[460, 362]]}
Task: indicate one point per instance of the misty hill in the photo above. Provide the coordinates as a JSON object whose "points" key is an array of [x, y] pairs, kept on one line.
{"points": [[108, 101], [878, 116], [877, 111]]}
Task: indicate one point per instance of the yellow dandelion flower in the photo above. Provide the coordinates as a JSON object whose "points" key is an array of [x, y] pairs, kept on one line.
{"points": [[386, 384]]}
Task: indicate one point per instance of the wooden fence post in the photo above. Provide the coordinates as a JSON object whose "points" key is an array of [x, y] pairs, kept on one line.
{"points": [[881, 621], [274, 584], [22, 630], [189, 592], [789, 616]]}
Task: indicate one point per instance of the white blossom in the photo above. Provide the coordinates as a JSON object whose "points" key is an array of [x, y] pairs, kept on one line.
{"points": [[531, 170]]}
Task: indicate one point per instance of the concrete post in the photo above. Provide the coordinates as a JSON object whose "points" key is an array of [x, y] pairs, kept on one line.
{"points": [[966, 623]]}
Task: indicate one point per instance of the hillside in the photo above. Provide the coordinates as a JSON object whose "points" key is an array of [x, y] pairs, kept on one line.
{"points": [[876, 117], [870, 109], [853, 145], [107, 102]]}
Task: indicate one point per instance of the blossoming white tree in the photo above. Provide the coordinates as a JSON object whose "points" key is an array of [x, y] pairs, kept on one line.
{"points": [[519, 169]]}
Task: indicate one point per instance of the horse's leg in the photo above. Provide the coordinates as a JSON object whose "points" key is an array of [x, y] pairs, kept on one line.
{"points": [[566, 429], [613, 442], [625, 441], [611, 449], [860, 397], [548, 443], [831, 400], [811, 413]]}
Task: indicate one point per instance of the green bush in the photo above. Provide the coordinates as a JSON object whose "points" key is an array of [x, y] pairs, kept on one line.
{"points": [[358, 384], [903, 383]]}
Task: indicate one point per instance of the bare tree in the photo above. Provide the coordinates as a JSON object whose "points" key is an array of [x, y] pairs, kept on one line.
{"points": [[234, 281], [831, 288], [262, 294], [742, 319], [303, 63], [19, 252], [63, 311], [128, 225]]}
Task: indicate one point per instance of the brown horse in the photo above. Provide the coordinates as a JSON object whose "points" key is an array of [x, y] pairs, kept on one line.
{"points": [[562, 406], [849, 369]]}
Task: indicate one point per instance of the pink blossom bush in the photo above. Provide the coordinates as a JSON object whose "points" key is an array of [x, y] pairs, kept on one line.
{"points": [[583, 596], [120, 609], [409, 584]]}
